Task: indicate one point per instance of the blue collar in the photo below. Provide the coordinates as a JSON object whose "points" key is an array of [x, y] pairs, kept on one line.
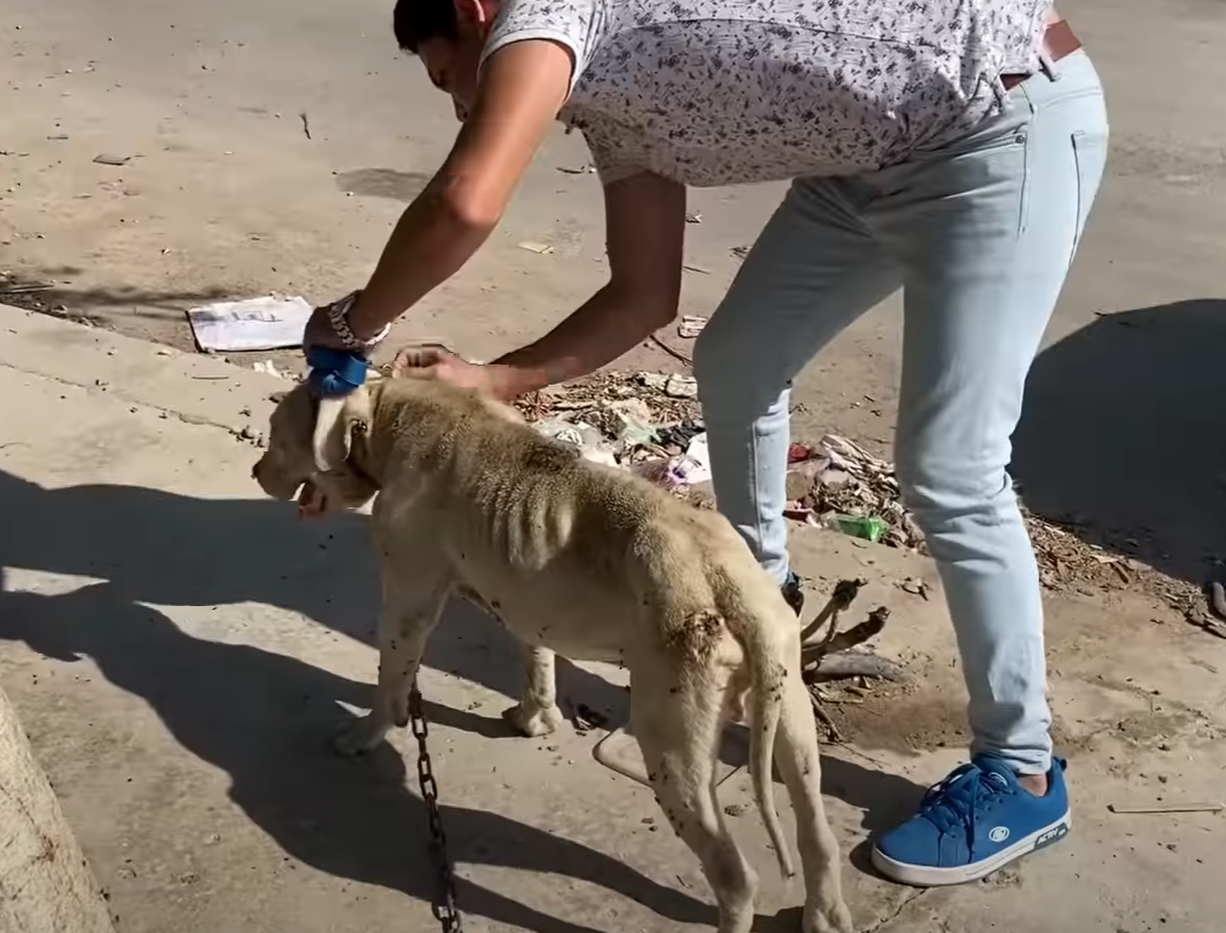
{"points": [[335, 373]]}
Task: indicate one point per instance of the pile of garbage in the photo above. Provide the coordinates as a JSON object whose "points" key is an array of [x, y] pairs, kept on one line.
{"points": [[838, 484], [644, 422], [650, 423]]}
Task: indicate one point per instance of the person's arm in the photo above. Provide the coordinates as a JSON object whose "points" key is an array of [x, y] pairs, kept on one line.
{"points": [[645, 232], [523, 85]]}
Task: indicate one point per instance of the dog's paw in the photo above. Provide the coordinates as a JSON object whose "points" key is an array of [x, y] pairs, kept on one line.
{"points": [[360, 736], [833, 919], [534, 721]]}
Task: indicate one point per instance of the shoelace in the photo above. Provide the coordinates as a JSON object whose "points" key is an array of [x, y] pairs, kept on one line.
{"points": [[961, 798]]}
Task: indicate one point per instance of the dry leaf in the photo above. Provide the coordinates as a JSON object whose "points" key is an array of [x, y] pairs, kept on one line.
{"points": [[542, 249]]}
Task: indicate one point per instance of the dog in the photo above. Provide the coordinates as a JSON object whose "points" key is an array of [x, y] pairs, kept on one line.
{"points": [[585, 560]]}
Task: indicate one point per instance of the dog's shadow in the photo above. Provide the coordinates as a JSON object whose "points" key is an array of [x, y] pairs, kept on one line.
{"points": [[158, 547], [265, 719]]}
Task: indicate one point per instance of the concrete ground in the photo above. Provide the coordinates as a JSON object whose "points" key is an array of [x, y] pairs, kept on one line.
{"points": [[181, 651], [178, 647], [225, 196]]}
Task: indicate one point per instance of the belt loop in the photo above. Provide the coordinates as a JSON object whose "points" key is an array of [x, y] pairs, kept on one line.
{"points": [[1047, 66]]}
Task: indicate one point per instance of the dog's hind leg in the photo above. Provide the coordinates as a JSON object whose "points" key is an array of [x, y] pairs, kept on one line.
{"points": [[677, 722], [799, 761], [537, 713], [405, 623]]}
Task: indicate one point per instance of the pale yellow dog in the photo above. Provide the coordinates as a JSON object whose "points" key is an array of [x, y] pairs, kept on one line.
{"points": [[585, 560]]}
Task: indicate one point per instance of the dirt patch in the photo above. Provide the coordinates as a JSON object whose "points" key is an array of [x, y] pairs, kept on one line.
{"points": [[906, 718], [383, 183], [1159, 729]]}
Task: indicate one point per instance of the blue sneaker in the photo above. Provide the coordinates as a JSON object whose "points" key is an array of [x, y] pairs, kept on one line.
{"points": [[975, 821]]}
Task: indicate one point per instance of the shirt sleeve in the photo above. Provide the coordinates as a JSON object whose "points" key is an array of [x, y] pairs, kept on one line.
{"points": [[571, 23], [616, 153]]}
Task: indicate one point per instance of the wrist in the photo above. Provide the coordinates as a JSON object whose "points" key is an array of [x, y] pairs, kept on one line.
{"points": [[509, 381], [366, 319], [339, 317]]}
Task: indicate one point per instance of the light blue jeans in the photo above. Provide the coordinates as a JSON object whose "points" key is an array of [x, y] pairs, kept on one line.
{"points": [[979, 234]]}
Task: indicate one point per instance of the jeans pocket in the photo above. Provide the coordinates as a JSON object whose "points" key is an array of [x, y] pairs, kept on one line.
{"points": [[1090, 156]]}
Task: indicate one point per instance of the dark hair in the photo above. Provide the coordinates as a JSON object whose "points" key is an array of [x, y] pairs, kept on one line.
{"points": [[418, 21]]}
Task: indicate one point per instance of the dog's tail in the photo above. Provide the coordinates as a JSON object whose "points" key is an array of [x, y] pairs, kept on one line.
{"points": [[767, 672]]}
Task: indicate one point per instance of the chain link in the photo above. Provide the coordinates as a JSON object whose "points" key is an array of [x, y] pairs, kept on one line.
{"points": [[444, 906]]}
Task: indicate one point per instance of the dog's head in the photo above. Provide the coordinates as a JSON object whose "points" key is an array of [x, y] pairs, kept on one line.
{"points": [[310, 448]]}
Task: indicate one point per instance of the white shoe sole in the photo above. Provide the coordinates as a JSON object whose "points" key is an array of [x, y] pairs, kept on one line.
{"points": [[926, 876]]}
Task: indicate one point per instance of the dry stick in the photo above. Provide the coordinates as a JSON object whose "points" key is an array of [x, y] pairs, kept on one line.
{"points": [[1169, 808], [834, 658], [832, 730], [860, 633], [844, 592], [670, 351], [856, 664], [22, 289]]}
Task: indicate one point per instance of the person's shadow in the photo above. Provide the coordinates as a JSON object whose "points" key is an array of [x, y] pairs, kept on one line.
{"points": [[264, 718], [1123, 435], [159, 547]]}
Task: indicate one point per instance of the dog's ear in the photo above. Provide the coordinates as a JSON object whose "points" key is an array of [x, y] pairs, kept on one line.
{"points": [[336, 421]]}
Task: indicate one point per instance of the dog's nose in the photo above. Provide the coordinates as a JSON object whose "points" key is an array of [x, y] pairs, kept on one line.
{"points": [[255, 471]]}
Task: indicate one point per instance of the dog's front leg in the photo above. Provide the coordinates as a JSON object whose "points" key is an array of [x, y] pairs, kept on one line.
{"points": [[405, 624], [537, 713]]}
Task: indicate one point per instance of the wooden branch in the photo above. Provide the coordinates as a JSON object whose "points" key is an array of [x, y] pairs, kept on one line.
{"points": [[844, 592], [860, 633], [856, 664], [833, 658], [832, 731]]}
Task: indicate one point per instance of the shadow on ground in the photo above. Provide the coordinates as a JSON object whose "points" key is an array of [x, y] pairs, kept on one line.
{"points": [[1123, 435], [87, 305], [160, 547], [264, 718]]}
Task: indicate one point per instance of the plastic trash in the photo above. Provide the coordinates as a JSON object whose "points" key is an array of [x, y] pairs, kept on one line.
{"points": [[684, 470], [679, 386], [634, 427], [869, 527], [680, 434], [691, 326], [580, 435]]}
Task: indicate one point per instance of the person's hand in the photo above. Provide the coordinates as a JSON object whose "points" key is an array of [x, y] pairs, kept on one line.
{"points": [[434, 362]]}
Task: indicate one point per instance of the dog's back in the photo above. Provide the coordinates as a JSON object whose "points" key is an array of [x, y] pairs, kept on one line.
{"points": [[507, 503]]}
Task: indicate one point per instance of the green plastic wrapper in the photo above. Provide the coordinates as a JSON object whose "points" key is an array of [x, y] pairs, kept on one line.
{"points": [[868, 527]]}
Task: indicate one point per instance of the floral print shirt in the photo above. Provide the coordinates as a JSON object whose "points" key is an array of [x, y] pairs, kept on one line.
{"points": [[718, 92]]}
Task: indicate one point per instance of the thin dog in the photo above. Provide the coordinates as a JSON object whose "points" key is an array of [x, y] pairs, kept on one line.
{"points": [[585, 560]]}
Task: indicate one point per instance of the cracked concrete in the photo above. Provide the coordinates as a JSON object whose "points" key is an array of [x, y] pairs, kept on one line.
{"points": [[181, 651]]}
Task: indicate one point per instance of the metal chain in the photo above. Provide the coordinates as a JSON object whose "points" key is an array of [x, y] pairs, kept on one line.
{"points": [[444, 906]]}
